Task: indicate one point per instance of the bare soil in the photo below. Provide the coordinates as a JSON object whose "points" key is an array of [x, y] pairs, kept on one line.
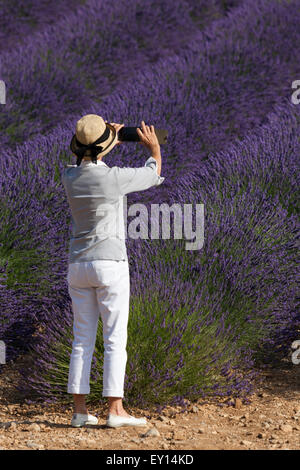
{"points": [[270, 421]]}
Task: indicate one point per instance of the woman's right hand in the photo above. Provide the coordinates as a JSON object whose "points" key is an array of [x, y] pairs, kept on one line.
{"points": [[148, 137]]}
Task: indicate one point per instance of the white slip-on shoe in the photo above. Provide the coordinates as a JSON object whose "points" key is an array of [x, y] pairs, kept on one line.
{"points": [[80, 419], [115, 421]]}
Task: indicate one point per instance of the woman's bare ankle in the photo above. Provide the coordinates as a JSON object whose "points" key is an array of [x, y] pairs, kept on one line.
{"points": [[115, 406], [119, 412]]}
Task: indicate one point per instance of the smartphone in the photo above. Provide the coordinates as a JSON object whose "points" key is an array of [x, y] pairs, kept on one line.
{"points": [[129, 134]]}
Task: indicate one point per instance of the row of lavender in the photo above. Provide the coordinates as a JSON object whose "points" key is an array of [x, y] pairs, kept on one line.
{"points": [[73, 63], [19, 19], [239, 291]]}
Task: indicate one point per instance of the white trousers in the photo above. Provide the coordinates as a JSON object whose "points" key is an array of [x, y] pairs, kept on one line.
{"points": [[100, 287]]}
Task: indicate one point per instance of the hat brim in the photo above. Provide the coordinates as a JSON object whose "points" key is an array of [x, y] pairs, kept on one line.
{"points": [[107, 149]]}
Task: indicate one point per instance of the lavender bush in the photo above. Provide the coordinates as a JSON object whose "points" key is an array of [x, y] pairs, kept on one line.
{"points": [[21, 18], [75, 62]]}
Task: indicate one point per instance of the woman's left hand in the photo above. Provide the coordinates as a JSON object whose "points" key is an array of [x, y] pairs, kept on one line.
{"points": [[117, 127]]}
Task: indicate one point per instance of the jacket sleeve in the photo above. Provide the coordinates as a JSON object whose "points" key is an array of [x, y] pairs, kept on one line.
{"points": [[137, 179]]}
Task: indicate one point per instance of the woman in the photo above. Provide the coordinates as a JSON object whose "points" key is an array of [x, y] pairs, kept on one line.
{"points": [[98, 270]]}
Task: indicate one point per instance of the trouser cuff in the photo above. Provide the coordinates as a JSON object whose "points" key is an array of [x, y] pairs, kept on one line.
{"points": [[79, 390], [113, 393]]}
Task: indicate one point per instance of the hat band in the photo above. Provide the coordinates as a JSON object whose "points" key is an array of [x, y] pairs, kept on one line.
{"points": [[94, 147], [102, 138]]}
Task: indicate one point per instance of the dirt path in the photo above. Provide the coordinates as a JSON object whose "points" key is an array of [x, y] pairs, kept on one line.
{"points": [[270, 421]]}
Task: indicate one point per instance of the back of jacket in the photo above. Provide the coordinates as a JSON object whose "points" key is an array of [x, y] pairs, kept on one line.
{"points": [[96, 198]]}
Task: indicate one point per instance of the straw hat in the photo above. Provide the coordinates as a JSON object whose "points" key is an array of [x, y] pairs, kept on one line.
{"points": [[94, 137]]}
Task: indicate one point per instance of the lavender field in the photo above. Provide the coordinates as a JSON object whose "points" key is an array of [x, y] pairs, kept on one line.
{"points": [[218, 76]]}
